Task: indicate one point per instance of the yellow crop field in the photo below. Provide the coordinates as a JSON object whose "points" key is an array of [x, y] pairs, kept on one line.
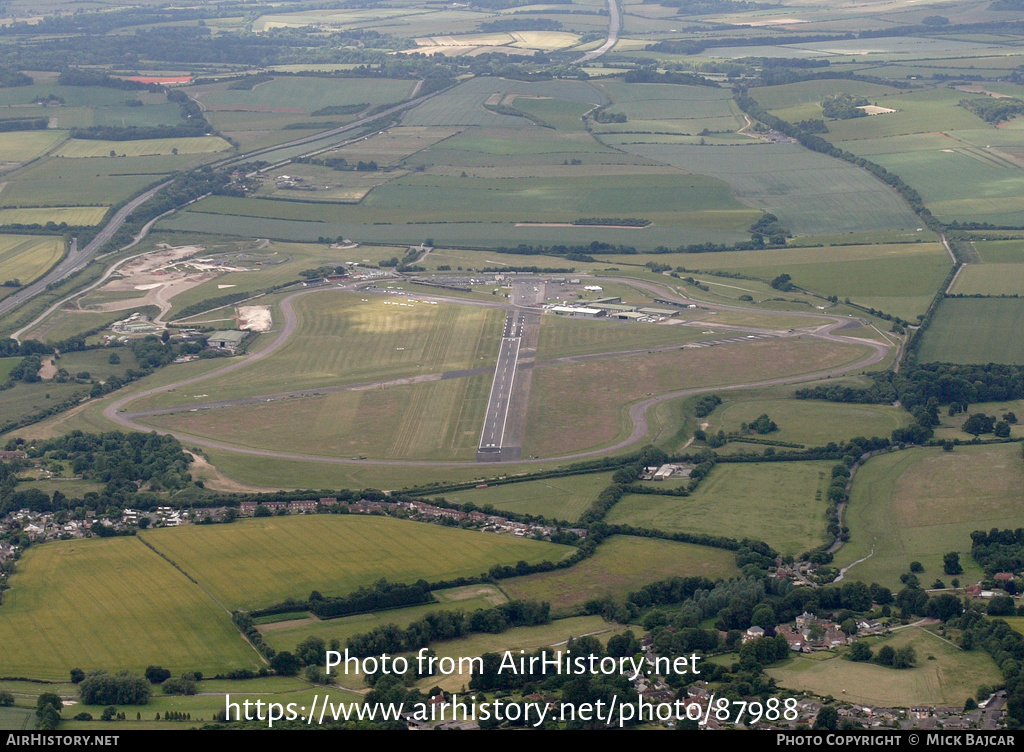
{"points": [[144, 147]]}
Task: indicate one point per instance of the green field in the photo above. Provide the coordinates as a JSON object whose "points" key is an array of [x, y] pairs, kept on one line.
{"points": [[779, 503], [947, 681], [989, 279], [296, 94], [440, 420], [78, 148], [78, 215], [918, 504], [562, 416], [621, 565], [562, 337], [812, 194], [812, 92], [255, 563], [25, 145], [898, 278], [111, 603], [28, 257], [464, 105], [809, 422], [285, 635], [975, 330], [555, 498], [1000, 251], [87, 182], [342, 338]]}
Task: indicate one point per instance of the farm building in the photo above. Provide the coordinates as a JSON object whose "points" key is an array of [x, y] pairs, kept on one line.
{"points": [[229, 340]]}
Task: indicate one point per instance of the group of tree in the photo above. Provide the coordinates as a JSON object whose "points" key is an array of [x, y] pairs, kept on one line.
{"points": [[843, 107], [102, 688]]}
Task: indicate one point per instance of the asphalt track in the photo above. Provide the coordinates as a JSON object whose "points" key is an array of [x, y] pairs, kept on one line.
{"points": [[117, 413]]}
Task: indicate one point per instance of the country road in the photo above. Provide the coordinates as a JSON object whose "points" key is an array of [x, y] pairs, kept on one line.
{"points": [[77, 259], [614, 25]]}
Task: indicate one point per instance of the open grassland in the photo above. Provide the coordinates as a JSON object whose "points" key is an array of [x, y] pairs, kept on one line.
{"points": [[779, 503], [662, 108], [111, 603], [305, 95], [285, 635], [344, 339], [809, 422], [1000, 251], [918, 504], [925, 111], [669, 200], [440, 420], [947, 681], [464, 105], [898, 278], [75, 216], [508, 148], [957, 179], [77, 148], [990, 279], [562, 114], [812, 194], [259, 562], [561, 337], [466, 234], [621, 565], [25, 145], [976, 330], [28, 257], [812, 92], [86, 182], [555, 498], [562, 418]]}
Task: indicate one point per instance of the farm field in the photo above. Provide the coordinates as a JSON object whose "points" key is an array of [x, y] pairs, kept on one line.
{"points": [[669, 200], [256, 563], [111, 603], [87, 182], [956, 179], [990, 279], [621, 565], [662, 108], [28, 257], [975, 330], [779, 503], [79, 148], [909, 506], [947, 681], [285, 635], [25, 145], [464, 105], [812, 194], [467, 234], [809, 422], [554, 498], [303, 94], [898, 278], [561, 416], [75, 216], [1000, 251], [774, 98]]}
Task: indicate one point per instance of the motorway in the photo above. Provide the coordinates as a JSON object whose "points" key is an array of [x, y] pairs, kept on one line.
{"points": [[77, 259]]}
